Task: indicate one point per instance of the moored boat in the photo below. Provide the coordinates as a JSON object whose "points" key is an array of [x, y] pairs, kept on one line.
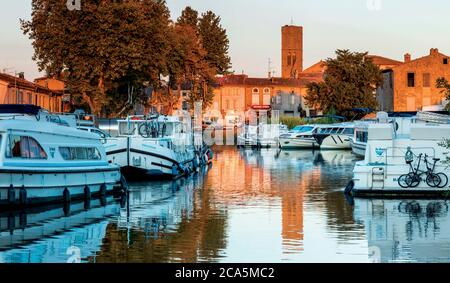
{"points": [[43, 159], [335, 136], [155, 147], [405, 160], [301, 137]]}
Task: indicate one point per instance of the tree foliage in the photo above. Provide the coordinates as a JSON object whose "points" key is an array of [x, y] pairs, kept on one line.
{"points": [[443, 84], [110, 50], [350, 81]]}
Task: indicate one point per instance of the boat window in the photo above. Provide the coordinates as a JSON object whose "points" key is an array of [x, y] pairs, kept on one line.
{"points": [[25, 147], [334, 131], [349, 131], [80, 153]]}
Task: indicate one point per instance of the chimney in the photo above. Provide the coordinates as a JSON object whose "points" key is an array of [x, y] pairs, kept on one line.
{"points": [[407, 57], [434, 51]]}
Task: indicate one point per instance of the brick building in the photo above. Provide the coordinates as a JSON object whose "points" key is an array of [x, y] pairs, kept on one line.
{"points": [[241, 93], [291, 51], [411, 85], [17, 90]]}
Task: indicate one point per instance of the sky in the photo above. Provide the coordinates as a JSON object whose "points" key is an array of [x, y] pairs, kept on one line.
{"points": [[388, 28]]}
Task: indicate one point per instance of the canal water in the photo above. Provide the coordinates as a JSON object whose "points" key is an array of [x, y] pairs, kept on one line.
{"points": [[250, 206]]}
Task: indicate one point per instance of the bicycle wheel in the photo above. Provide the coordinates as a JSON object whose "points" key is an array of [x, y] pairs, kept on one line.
{"points": [[444, 180], [433, 180], [405, 181], [416, 179]]}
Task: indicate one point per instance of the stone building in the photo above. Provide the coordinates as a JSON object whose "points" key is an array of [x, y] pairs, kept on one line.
{"points": [[291, 51], [240, 93], [17, 90], [411, 85]]}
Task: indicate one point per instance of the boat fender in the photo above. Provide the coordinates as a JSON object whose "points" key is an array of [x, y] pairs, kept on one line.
{"points": [[123, 184], [103, 190], [23, 196], [174, 170], [348, 190], [87, 193], [66, 195], [11, 195], [195, 161]]}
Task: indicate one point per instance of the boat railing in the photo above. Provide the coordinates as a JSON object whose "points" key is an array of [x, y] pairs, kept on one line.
{"points": [[433, 117], [397, 154]]}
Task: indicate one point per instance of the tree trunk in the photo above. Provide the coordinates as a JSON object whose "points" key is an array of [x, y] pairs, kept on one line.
{"points": [[88, 100], [101, 87]]}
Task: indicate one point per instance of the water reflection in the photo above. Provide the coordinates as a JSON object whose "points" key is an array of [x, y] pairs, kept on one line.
{"points": [[406, 230], [45, 234], [250, 206]]}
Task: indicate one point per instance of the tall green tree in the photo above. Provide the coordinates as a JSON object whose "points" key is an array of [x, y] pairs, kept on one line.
{"points": [[100, 46], [443, 84], [215, 42], [188, 17], [199, 52], [350, 81]]}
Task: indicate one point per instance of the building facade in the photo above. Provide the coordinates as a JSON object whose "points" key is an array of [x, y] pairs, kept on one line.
{"points": [[17, 90], [240, 93], [291, 51], [414, 81]]}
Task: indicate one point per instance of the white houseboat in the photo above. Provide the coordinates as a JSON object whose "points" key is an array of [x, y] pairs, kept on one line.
{"points": [[301, 137], [43, 159], [335, 136], [152, 147], [404, 158]]}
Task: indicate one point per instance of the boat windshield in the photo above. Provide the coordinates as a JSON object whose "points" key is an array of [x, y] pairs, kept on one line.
{"points": [[303, 129]]}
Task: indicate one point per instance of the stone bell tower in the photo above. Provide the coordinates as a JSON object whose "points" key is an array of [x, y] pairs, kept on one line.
{"points": [[291, 51]]}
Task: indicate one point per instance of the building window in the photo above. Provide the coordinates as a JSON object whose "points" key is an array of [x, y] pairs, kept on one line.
{"points": [[24, 147], [266, 99], [411, 80], [294, 58], [267, 90], [80, 153], [20, 97], [289, 59], [426, 80], [445, 61], [292, 99], [278, 99], [255, 96]]}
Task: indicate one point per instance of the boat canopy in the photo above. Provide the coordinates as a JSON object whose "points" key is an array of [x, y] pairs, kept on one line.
{"points": [[19, 109]]}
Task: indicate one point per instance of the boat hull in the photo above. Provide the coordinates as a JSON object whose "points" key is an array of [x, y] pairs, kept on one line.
{"points": [[298, 143], [31, 186], [359, 149], [367, 182], [336, 142], [141, 159]]}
